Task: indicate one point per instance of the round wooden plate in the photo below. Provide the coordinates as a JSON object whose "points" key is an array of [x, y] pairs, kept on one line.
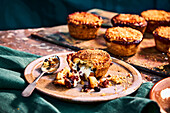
{"points": [[155, 94], [119, 68]]}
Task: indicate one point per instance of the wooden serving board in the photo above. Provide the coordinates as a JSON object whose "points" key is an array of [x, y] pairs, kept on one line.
{"points": [[148, 58]]}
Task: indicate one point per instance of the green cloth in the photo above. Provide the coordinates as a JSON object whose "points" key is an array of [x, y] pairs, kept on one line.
{"points": [[12, 83]]}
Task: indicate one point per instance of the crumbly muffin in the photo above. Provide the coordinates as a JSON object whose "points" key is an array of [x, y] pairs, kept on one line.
{"points": [[156, 18], [162, 38], [129, 20], [89, 63], [123, 41], [66, 78], [83, 25]]}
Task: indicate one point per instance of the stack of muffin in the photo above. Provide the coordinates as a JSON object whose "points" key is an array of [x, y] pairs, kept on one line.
{"points": [[123, 39], [125, 36]]}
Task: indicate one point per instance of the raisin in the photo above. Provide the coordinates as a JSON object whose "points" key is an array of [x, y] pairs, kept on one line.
{"points": [[105, 83], [94, 69], [85, 88], [74, 71], [96, 89], [76, 77], [80, 72], [48, 68], [78, 69], [83, 76], [68, 83], [46, 60], [108, 75], [72, 79]]}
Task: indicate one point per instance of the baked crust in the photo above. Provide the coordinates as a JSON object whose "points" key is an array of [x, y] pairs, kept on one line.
{"points": [[162, 38], [122, 41], [130, 20], [98, 61], [83, 25], [123, 34], [156, 18]]}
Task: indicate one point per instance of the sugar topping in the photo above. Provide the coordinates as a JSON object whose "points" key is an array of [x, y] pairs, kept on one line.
{"points": [[96, 57], [156, 15], [130, 18], [163, 31], [126, 34], [84, 18]]}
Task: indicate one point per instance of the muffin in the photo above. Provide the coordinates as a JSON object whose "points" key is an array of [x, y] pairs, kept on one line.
{"points": [[89, 63], [123, 41], [162, 38], [83, 25], [156, 18], [129, 20]]}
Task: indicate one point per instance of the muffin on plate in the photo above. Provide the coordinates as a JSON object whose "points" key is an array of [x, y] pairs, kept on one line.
{"points": [[84, 25], [162, 38], [89, 63], [156, 18], [123, 41], [129, 20]]}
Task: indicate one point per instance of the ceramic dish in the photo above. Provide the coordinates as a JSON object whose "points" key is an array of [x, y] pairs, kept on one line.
{"points": [[160, 93], [119, 68]]}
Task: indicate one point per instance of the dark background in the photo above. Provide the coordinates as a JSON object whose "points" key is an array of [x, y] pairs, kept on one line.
{"points": [[17, 14]]}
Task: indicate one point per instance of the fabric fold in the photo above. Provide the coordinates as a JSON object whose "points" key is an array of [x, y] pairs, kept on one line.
{"points": [[12, 83]]}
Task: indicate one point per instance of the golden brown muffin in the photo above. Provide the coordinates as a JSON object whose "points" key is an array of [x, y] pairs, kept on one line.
{"points": [[156, 18], [123, 41], [129, 20], [83, 25], [162, 38], [89, 63]]}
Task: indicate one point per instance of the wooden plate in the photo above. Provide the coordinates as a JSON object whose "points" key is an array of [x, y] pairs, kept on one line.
{"points": [[119, 68], [155, 94]]}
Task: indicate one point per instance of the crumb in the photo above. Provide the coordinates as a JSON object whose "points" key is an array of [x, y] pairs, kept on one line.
{"points": [[115, 88], [129, 75], [129, 82], [103, 94]]}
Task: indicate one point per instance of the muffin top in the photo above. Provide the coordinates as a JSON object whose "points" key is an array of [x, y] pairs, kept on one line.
{"points": [[84, 18], [130, 19], [163, 31], [123, 34], [156, 15], [92, 57]]}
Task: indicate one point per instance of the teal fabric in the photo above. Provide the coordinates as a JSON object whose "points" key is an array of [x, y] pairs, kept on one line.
{"points": [[12, 83], [16, 14]]}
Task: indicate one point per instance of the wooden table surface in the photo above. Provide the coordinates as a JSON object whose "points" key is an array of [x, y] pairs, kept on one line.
{"points": [[21, 40]]}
